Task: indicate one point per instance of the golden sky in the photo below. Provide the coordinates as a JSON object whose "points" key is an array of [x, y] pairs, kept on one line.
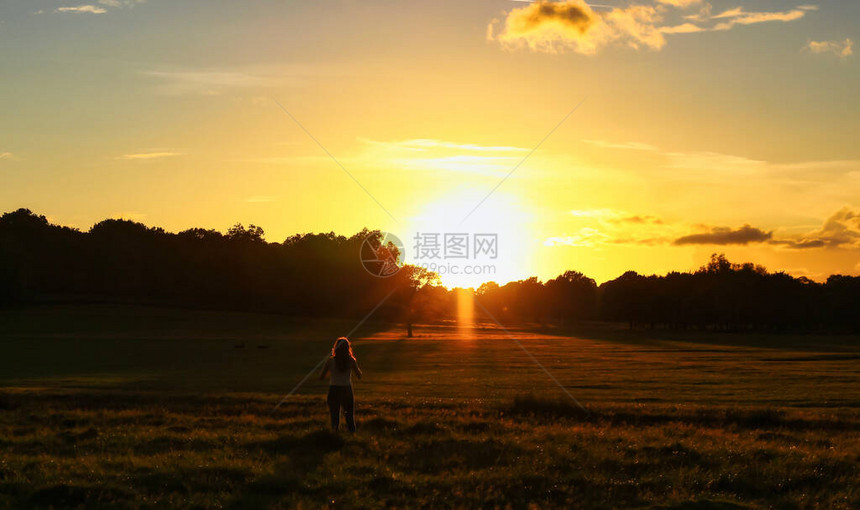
{"points": [[721, 126]]}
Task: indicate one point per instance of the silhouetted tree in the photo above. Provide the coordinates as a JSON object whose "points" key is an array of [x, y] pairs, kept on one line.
{"points": [[571, 297], [324, 274]]}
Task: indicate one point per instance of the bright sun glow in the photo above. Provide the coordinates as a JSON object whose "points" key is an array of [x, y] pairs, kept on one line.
{"points": [[502, 220], [465, 314]]}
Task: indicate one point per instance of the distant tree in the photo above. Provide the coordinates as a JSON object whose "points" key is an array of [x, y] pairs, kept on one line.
{"points": [[624, 298], [571, 297], [842, 297], [253, 233]]}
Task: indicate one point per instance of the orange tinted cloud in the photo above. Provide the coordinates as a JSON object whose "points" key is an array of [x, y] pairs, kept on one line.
{"points": [[842, 49], [89, 9], [149, 155], [572, 25], [738, 16]]}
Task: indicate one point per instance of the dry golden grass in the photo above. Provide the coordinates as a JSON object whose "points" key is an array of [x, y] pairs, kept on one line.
{"points": [[139, 408]]}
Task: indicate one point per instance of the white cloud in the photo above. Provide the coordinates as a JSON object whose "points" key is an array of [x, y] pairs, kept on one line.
{"points": [[218, 81], [203, 82], [738, 16], [95, 9], [89, 9], [684, 28], [842, 49]]}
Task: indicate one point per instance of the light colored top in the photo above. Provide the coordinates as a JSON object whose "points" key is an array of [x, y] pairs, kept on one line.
{"points": [[340, 378]]}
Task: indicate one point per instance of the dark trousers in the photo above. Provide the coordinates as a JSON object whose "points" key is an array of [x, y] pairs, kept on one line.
{"points": [[341, 397]]}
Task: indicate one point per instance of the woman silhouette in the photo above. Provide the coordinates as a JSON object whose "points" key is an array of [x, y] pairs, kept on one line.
{"points": [[341, 364]]}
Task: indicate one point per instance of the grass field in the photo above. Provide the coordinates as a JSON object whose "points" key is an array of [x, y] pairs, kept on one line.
{"points": [[147, 407]]}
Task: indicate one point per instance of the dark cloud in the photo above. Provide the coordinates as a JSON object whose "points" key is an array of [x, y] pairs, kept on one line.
{"points": [[799, 244], [556, 26], [724, 235], [572, 25], [570, 14], [841, 230]]}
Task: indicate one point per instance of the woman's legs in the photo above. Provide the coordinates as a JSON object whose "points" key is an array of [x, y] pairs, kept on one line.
{"points": [[333, 401], [341, 396], [348, 403]]}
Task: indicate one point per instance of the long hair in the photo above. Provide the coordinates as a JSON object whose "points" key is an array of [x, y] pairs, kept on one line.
{"points": [[342, 353]]}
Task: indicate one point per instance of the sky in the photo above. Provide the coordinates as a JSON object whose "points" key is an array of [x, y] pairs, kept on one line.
{"points": [[623, 135]]}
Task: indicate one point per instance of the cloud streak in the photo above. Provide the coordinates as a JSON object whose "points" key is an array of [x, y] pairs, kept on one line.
{"points": [[216, 81], [95, 9], [203, 82], [82, 9], [738, 16], [149, 155]]}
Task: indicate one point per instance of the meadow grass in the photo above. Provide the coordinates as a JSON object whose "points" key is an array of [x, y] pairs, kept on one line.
{"points": [[142, 407]]}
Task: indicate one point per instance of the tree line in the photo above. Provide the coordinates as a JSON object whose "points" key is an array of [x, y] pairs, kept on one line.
{"points": [[330, 275], [719, 296]]}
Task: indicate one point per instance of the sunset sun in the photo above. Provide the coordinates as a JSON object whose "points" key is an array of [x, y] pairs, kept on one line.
{"points": [[468, 242]]}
